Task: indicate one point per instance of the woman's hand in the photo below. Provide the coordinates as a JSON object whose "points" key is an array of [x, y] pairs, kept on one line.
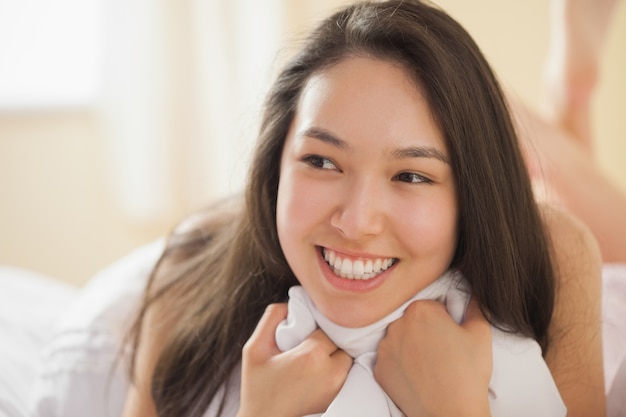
{"points": [[301, 381], [431, 366]]}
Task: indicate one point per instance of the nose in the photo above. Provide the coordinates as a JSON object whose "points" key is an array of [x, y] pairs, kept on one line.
{"points": [[360, 210]]}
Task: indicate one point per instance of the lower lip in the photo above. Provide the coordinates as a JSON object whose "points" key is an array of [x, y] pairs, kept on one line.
{"points": [[353, 285]]}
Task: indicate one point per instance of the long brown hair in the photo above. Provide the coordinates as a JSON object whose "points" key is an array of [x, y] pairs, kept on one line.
{"points": [[228, 274]]}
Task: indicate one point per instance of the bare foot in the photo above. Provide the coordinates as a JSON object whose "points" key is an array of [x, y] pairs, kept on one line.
{"points": [[577, 35]]}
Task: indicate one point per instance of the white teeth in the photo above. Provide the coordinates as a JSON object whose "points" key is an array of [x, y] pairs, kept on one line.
{"points": [[369, 267], [346, 266], [377, 264], [331, 257], [337, 263], [357, 269]]}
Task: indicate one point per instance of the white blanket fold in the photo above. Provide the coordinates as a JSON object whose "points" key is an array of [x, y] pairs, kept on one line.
{"points": [[521, 384]]}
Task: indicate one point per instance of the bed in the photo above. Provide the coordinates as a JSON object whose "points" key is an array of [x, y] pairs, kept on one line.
{"points": [[41, 319]]}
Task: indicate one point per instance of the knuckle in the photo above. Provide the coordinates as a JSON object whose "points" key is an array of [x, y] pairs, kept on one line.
{"points": [[423, 309], [379, 375], [253, 352], [337, 376], [276, 308], [307, 356], [250, 352], [384, 348], [315, 354]]}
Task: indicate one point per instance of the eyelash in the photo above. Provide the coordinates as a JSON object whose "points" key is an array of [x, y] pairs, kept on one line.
{"points": [[317, 161], [420, 178]]}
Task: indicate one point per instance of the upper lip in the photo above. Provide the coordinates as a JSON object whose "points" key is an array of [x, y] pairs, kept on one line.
{"points": [[354, 255]]}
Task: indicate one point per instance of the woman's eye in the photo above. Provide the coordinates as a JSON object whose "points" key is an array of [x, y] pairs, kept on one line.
{"points": [[320, 162], [412, 177]]}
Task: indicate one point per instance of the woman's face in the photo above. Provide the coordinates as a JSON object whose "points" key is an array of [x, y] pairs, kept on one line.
{"points": [[366, 211]]}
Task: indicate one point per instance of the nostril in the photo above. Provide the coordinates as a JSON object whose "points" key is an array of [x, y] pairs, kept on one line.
{"points": [[357, 222]]}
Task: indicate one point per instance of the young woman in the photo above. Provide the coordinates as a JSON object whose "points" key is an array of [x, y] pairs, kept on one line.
{"points": [[385, 141]]}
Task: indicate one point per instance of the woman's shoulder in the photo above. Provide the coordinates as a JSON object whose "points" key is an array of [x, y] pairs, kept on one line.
{"points": [[571, 241], [575, 353]]}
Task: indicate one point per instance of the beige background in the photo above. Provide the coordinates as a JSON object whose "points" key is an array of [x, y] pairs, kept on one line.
{"points": [[60, 215]]}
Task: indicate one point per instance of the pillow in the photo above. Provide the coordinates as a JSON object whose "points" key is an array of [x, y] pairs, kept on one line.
{"points": [[77, 376], [614, 337], [30, 303]]}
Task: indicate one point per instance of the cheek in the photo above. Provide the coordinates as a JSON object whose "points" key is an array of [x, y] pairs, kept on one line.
{"points": [[285, 221], [300, 218], [300, 205], [431, 226], [301, 202], [284, 209]]}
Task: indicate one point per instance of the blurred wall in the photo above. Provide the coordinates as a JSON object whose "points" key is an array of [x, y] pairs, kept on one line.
{"points": [[59, 214], [514, 37]]}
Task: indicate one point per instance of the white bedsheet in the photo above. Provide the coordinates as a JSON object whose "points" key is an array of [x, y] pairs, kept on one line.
{"points": [[31, 305], [614, 337], [521, 384]]}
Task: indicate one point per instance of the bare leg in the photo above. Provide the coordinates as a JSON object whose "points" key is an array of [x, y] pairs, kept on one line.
{"points": [[567, 177], [578, 31], [558, 144]]}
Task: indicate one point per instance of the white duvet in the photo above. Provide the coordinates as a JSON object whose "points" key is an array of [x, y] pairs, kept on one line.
{"points": [[38, 311]]}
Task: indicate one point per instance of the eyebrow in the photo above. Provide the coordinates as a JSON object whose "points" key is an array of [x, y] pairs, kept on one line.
{"points": [[420, 152], [325, 136], [401, 153]]}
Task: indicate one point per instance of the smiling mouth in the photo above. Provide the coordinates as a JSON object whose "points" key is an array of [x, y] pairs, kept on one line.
{"points": [[357, 269]]}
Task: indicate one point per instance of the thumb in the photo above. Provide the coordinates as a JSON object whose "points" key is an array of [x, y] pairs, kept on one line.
{"points": [[263, 339]]}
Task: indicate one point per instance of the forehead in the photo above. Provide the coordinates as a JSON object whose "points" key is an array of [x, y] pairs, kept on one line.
{"points": [[362, 97], [353, 71]]}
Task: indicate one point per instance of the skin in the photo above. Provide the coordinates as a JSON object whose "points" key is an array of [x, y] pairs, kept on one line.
{"points": [[558, 140], [351, 222], [577, 37], [403, 355], [558, 147], [567, 177], [364, 173], [575, 355], [347, 198], [313, 372], [561, 159]]}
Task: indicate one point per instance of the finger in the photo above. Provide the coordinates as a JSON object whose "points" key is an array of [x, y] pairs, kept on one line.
{"points": [[264, 333], [426, 310], [475, 319], [320, 340], [342, 359], [420, 316], [341, 364], [473, 312]]}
